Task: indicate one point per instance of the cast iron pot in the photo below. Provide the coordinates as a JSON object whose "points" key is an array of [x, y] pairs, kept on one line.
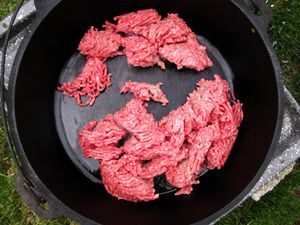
{"points": [[44, 123]]}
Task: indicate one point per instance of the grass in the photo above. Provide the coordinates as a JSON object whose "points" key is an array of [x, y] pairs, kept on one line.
{"points": [[280, 206], [7, 6], [12, 208], [285, 34]]}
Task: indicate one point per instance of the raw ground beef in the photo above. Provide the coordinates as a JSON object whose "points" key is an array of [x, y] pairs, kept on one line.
{"points": [[143, 128], [124, 185], [196, 136], [145, 91], [189, 54], [145, 39], [90, 82], [168, 39], [132, 147], [185, 173], [131, 23], [100, 139], [100, 44], [167, 31], [140, 52]]}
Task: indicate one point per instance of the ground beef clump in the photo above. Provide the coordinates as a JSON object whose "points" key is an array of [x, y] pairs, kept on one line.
{"points": [[145, 91], [197, 136], [100, 139], [187, 54], [132, 23], [145, 39], [140, 52], [122, 184], [100, 44], [93, 79], [168, 39], [170, 30]]}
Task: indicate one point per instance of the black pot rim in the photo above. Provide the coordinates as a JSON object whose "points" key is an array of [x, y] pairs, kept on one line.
{"points": [[65, 210]]}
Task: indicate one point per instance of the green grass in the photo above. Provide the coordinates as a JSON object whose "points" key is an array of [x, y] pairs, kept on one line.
{"points": [[285, 35], [7, 6], [280, 206], [12, 208]]}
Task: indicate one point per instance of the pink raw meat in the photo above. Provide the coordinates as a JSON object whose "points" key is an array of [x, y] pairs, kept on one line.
{"points": [[198, 135], [186, 172], [145, 39], [100, 44], [145, 91], [167, 31], [90, 82], [122, 184], [140, 52], [134, 21], [99, 140], [164, 161], [189, 54], [137, 121]]}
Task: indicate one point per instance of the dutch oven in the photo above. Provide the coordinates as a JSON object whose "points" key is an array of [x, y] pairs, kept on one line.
{"points": [[57, 181]]}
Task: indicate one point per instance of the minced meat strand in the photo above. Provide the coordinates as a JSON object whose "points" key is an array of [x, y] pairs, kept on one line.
{"points": [[185, 173], [189, 54], [164, 161], [108, 26], [100, 139], [140, 52], [196, 136], [134, 118], [145, 149], [145, 91], [93, 79], [101, 44], [142, 126], [170, 30], [132, 22], [124, 185]]}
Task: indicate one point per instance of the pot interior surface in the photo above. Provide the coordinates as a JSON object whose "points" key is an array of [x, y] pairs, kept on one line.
{"points": [[47, 122]]}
